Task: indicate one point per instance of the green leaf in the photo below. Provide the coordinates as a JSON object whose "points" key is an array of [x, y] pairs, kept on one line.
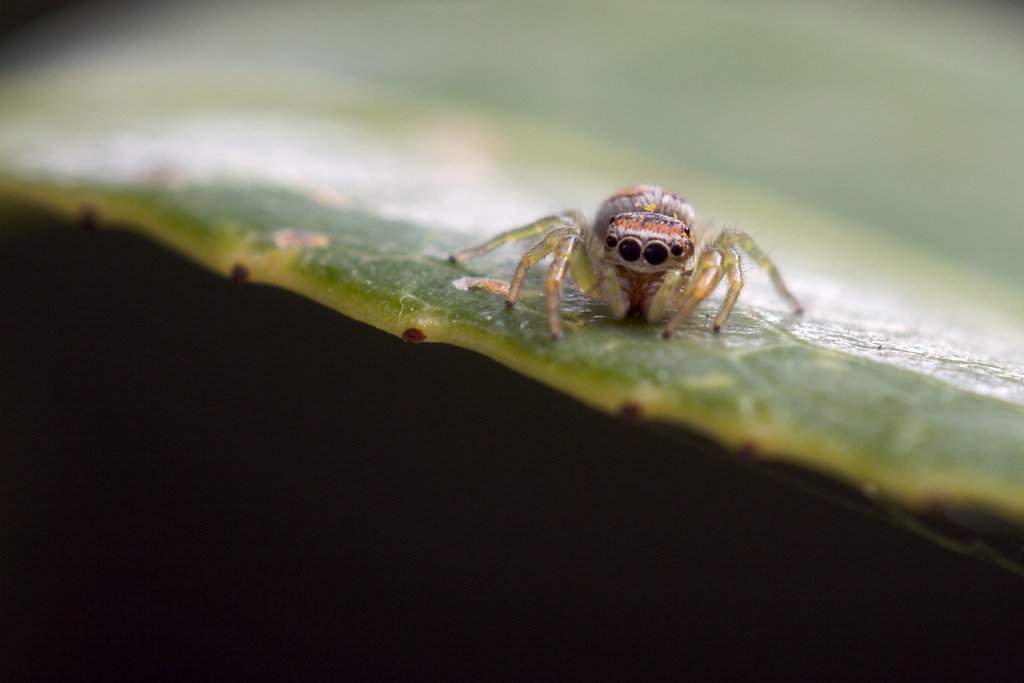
{"points": [[342, 153]]}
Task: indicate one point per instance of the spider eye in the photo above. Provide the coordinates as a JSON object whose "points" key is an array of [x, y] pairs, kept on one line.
{"points": [[656, 253], [677, 250], [629, 249], [611, 241]]}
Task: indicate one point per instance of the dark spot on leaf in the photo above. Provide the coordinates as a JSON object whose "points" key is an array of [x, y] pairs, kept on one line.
{"points": [[414, 335], [935, 503], [749, 449], [239, 273], [629, 410]]}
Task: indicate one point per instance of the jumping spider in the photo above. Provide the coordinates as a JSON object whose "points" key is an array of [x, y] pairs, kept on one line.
{"points": [[639, 256]]}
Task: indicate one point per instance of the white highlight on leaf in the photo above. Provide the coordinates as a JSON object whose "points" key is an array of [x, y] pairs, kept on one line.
{"points": [[967, 345], [437, 179]]}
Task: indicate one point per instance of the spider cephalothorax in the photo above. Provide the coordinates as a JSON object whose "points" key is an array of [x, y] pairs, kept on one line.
{"points": [[640, 248], [639, 255]]}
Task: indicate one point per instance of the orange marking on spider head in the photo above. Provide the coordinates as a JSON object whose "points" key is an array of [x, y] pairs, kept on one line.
{"points": [[649, 224]]}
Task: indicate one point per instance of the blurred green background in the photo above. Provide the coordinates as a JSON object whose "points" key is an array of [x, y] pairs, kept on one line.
{"points": [[901, 116]]}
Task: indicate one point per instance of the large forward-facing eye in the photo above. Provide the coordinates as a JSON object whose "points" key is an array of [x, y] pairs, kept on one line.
{"points": [[656, 253], [629, 250]]}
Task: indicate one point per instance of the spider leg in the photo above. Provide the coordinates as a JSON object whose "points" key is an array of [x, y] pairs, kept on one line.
{"points": [[536, 228], [723, 259], [551, 240], [664, 298], [735, 276], [511, 290], [733, 237], [582, 270], [614, 291], [705, 278], [562, 236], [564, 243], [564, 250]]}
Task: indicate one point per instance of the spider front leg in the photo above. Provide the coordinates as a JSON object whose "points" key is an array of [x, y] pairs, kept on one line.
{"points": [[562, 238], [731, 266], [664, 298], [722, 259], [734, 237], [565, 251], [705, 279], [551, 242], [539, 227]]}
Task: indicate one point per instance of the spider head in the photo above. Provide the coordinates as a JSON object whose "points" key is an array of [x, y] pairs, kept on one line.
{"points": [[648, 241], [645, 199]]}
